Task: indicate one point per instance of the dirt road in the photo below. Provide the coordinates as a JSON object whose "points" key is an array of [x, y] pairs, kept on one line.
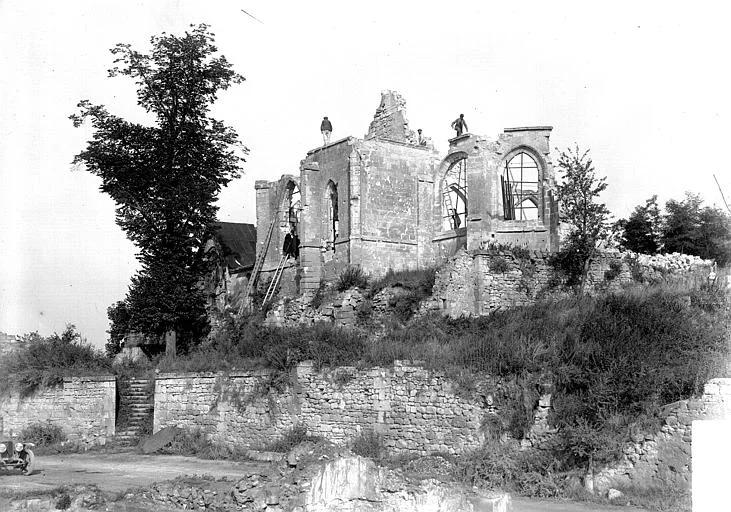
{"points": [[115, 473]]}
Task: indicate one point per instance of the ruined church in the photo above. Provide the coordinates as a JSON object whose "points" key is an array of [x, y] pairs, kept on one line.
{"points": [[389, 200]]}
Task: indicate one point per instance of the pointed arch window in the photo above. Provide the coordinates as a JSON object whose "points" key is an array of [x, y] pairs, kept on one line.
{"points": [[333, 224], [454, 195], [294, 206], [520, 186]]}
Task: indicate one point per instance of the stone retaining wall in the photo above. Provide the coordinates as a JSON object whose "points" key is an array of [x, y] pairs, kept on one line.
{"points": [[665, 457], [414, 410], [85, 407]]}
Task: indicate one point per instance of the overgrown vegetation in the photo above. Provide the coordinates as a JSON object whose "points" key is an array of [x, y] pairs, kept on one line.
{"points": [[499, 265], [352, 277], [296, 435], [194, 443], [367, 444], [416, 285], [44, 433], [45, 361]]}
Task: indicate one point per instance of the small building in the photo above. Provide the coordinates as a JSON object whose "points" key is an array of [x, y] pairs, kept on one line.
{"points": [[387, 201]]}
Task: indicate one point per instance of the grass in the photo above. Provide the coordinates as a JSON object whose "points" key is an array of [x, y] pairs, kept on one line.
{"points": [[194, 443], [290, 439], [367, 444]]}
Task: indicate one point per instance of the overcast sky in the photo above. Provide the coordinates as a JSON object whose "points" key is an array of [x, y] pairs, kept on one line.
{"points": [[644, 85]]}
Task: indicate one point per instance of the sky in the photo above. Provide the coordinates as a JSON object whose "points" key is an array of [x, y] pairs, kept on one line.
{"points": [[643, 85]]}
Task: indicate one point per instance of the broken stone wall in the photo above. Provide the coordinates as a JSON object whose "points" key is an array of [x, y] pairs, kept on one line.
{"points": [[389, 121], [664, 458], [85, 407], [485, 164], [270, 205], [481, 282]]}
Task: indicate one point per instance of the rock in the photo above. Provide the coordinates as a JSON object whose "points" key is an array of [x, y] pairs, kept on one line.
{"points": [[614, 494], [160, 439]]}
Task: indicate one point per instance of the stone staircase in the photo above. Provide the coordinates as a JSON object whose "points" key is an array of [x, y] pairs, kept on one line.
{"points": [[136, 399]]}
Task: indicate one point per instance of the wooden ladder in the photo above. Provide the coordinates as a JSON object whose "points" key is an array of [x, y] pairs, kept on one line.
{"points": [[246, 302], [274, 283]]}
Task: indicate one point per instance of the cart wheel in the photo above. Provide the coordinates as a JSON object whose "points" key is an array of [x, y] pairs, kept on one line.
{"points": [[29, 463]]}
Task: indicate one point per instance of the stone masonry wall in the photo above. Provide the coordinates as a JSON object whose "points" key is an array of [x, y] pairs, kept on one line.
{"points": [[415, 410], [85, 407], [480, 282], [665, 457]]}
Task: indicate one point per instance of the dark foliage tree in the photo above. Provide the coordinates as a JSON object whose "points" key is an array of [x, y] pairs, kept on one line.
{"points": [[714, 235], [118, 315], [682, 224], [587, 217], [165, 178], [690, 228], [641, 232]]}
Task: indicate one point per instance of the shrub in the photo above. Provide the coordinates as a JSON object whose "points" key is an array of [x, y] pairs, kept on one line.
{"points": [[45, 361], [194, 443], [421, 280], [290, 439], [367, 444], [615, 268], [352, 277], [499, 265], [43, 433], [494, 465]]}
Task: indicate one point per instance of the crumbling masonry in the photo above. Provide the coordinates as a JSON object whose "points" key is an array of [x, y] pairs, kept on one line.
{"points": [[387, 202]]}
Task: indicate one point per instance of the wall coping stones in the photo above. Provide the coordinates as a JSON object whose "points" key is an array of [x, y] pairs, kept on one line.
{"points": [[90, 378], [255, 372], [313, 151], [528, 129]]}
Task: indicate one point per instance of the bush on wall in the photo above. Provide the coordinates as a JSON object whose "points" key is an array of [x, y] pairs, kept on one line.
{"points": [[45, 361]]}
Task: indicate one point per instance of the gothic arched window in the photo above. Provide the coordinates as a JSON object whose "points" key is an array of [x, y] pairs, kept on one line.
{"points": [[333, 227], [454, 195], [520, 185]]}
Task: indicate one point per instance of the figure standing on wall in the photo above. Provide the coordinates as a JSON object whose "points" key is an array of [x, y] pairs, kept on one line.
{"points": [[459, 124], [326, 128]]}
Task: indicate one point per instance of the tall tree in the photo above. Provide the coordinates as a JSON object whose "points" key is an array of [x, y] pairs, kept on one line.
{"points": [[714, 236], [581, 209], [641, 232], [165, 177], [682, 224]]}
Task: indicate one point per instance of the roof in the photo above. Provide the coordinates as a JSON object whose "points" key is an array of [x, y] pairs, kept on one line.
{"points": [[238, 241]]}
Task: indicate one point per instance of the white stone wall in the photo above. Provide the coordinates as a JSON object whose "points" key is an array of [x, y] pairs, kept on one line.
{"points": [[85, 407]]}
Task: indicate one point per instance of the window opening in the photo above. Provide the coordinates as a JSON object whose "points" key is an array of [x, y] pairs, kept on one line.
{"points": [[454, 195], [520, 188], [295, 206], [332, 213]]}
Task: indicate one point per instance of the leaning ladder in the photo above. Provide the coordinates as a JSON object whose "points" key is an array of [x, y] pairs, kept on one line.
{"points": [[274, 283], [246, 303]]}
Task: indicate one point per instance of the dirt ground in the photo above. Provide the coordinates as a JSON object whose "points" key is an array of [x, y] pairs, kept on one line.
{"points": [[118, 472]]}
